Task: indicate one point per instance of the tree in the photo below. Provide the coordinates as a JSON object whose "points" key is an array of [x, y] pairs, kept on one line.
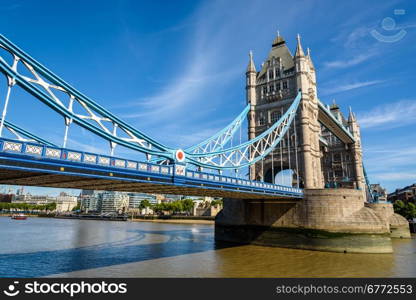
{"points": [[399, 207], [188, 205], [216, 202], [144, 203], [410, 210], [407, 210]]}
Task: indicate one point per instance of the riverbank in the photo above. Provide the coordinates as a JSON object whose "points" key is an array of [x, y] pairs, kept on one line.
{"points": [[29, 215]]}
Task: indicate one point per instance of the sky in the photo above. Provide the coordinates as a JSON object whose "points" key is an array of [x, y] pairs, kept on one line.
{"points": [[176, 69]]}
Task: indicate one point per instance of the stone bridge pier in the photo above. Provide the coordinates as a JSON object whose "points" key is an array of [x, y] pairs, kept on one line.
{"points": [[335, 220]]}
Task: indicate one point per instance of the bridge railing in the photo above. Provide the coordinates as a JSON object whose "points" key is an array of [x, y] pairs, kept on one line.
{"points": [[75, 157], [235, 181]]}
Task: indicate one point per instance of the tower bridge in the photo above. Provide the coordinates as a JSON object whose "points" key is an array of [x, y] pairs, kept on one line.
{"points": [[289, 127]]}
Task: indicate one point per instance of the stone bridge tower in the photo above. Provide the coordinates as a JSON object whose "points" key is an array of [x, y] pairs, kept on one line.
{"points": [[332, 214], [270, 92]]}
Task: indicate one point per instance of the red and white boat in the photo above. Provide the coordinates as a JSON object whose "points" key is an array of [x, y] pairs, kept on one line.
{"points": [[19, 217]]}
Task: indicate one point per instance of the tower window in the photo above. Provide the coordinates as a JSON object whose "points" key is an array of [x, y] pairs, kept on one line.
{"points": [[284, 84], [274, 116], [277, 73], [262, 121], [270, 74], [278, 86]]}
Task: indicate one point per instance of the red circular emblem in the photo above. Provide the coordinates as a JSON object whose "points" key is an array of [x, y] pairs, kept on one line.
{"points": [[180, 155]]}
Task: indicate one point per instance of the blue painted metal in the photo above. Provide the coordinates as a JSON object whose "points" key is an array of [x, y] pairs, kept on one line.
{"points": [[266, 141], [156, 147], [38, 89], [202, 155], [221, 138], [218, 140], [17, 151], [27, 134], [367, 182]]}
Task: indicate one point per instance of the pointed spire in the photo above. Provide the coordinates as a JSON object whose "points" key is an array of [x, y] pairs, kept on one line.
{"points": [[299, 49], [308, 51], [351, 116], [251, 67]]}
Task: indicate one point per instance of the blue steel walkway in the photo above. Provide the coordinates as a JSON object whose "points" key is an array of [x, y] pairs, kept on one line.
{"points": [[24, 163]]}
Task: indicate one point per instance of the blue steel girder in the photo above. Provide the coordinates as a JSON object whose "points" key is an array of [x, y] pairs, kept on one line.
{"points": [[95, 119], [24, 135], [367, 183], [221, 138], [218, 140], [252, 151]]}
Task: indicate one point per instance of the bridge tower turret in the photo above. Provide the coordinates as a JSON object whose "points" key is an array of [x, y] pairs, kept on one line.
{"points": [[356, 151], [310, 127], [270, 93]]}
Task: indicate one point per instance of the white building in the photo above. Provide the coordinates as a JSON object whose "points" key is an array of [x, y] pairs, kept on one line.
{"points": [[114, 202], [90, 201], [136, 198], [65, 202]]}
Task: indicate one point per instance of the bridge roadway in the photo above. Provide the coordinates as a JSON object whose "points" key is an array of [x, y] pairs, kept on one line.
{"points": [[30, 164], [329, 121]]}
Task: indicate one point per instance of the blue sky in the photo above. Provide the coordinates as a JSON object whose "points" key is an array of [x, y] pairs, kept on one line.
{"points": [[175, 69]]}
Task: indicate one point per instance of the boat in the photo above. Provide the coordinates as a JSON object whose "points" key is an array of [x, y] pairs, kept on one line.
{"points": [[19, 217]]}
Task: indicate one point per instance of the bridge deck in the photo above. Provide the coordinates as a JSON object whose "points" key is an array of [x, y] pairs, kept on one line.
{"points": [[33, 165], [329, 121]]}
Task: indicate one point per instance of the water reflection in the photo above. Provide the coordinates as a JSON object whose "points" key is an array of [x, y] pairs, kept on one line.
{"points": [[45, 247]]}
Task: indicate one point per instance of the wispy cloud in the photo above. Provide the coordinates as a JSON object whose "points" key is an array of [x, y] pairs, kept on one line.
{"points": [[385, 158], [389, 164], [397, 176], [390, 115], [200, 69], [343, 87], [213, 59], [356, 36], [177, 94], [346, 63]]}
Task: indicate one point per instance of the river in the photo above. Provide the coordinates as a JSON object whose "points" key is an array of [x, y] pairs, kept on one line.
{"points": [[81, 248]]}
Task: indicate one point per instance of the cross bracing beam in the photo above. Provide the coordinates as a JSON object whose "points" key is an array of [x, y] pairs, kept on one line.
{"points": [[43, 84], [24, 135], [221, 138], [49, 88], [218, 140], [252, 151]]}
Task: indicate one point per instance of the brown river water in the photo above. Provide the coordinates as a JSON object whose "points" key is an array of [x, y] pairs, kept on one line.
{"points": [[81, 248]]}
